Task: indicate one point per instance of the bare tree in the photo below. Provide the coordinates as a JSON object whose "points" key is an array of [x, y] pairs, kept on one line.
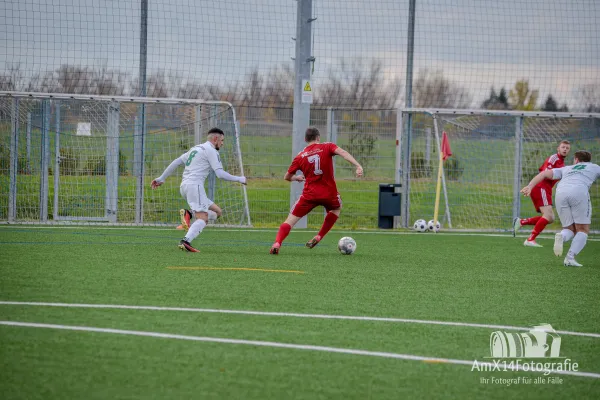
{"points": [[521, 98], [74, 79], [108, 82], [12, 78], [433, 89], [589, 97], [279, 86], [355, 84]]}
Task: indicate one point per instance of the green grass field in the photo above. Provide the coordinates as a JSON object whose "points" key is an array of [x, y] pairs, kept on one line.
{"points": [[487, 280]]}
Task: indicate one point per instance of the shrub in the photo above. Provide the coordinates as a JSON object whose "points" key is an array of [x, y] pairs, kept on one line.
{"points": [[361, 144], [96, 165], [69, 161], [453, 168], [419, 166]]}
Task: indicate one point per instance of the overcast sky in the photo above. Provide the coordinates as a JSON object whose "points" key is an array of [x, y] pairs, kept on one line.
{"points": [[477, 43]]}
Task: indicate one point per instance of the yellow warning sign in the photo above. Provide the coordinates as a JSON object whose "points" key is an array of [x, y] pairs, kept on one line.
{"points": [[307, 94]]}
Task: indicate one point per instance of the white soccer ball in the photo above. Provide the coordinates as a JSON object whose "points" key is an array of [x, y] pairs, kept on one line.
{"points": [[420, 225], [433, 226], [347, 245]]}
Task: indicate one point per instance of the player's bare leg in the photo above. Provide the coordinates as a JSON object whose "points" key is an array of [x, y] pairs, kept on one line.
{"points": [[330, 219], [186, 218], [577, 245], [214, 212], [284, 231], [546, 218], [561, 238], [195, 229]]}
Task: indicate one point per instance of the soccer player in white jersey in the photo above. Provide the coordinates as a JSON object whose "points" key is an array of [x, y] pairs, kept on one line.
{"points": [[572, 203], [199, 161]]}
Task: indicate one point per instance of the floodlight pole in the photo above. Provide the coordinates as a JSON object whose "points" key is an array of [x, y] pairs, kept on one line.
{"points": [[404, 149], [302, 66], [140, 128]]}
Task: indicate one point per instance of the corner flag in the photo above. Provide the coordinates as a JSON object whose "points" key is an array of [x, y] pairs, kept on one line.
{"points": [[446, 150]]}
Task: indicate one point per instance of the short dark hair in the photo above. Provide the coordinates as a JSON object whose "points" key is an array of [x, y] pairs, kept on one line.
{"points": [[583, 156], [215, 130], [311, 134]]}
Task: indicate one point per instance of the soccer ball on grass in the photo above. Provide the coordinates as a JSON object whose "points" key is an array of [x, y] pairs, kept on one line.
{"points": [[420, 225], [433, 226], [347, 245]]}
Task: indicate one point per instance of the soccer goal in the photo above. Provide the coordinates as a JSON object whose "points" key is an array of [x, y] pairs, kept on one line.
{"points": [[495, 154], [83, 159]]}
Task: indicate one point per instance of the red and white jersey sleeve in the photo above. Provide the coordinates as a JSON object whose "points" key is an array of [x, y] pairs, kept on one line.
{"points": [[552, 162]]}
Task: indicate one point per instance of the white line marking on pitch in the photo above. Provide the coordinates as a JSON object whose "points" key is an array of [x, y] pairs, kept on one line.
{"points": [[285, 314], [325, 349], [296, 231]]}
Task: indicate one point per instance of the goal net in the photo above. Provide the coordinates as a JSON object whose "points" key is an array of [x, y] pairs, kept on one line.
{"points": [[91, 158], [495, 154]]}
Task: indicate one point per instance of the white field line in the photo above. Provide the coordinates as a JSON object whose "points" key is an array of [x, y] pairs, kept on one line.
{"points": [[268, 230], [294, 315], [283, 345]]}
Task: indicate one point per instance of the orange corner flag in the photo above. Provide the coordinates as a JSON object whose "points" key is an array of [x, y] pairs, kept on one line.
{"points": [[446, 151]]}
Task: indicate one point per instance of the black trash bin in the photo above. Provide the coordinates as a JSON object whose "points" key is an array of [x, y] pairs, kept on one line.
{"points": [[389, 205]]}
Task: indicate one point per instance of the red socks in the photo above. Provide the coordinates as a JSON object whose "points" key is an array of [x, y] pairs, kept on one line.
{"points": [[530, 221], [284, 231], [328, 223], [538, 228]]}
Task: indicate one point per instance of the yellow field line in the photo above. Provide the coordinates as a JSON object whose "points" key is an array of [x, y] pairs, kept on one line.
{"points": [[234, 269]]}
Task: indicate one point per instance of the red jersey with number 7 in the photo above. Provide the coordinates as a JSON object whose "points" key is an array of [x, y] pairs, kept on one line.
{"points": [[316, 163], [553, 162]]}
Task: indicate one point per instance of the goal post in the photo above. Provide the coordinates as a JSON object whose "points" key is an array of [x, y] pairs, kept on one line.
{"points": [[90, 159], [495, 154]]}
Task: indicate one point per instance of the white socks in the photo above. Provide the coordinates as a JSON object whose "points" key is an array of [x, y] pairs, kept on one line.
{"points": [[567, 234], [194, 230], [577, 245], [212, 216]]}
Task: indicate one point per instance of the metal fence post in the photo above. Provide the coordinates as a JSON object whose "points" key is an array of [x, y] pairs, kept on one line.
{"points": [[28, 143], [406, 152], [197, 124], [45, 160], [138, 163], [14, 161], [518, 172], [112, 162], [56, 172], [399, 221]]}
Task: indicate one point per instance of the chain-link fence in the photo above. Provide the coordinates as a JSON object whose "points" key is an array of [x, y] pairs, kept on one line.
{"points": [[71, 158], [494, 156]]}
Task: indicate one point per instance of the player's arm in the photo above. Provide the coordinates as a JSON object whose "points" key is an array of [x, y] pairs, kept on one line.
{"points": [[348, 157], [221, 174], [290, 175], [215, 164], [293, 177], [168, 171], [545, 174]]}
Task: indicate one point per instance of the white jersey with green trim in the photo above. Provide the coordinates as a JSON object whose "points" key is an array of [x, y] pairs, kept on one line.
{"points": [[576, 177], [199, 161]]}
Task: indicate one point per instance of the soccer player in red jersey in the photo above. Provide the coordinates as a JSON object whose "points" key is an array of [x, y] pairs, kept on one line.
{"points": [[316, 164], [541, 195]]}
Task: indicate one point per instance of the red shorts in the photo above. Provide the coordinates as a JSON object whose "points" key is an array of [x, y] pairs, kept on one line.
{"points": [[541, 197], [303, 206]]}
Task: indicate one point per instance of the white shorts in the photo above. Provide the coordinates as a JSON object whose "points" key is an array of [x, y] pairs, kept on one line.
{"points": [[196, 197], [574, 207]]}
